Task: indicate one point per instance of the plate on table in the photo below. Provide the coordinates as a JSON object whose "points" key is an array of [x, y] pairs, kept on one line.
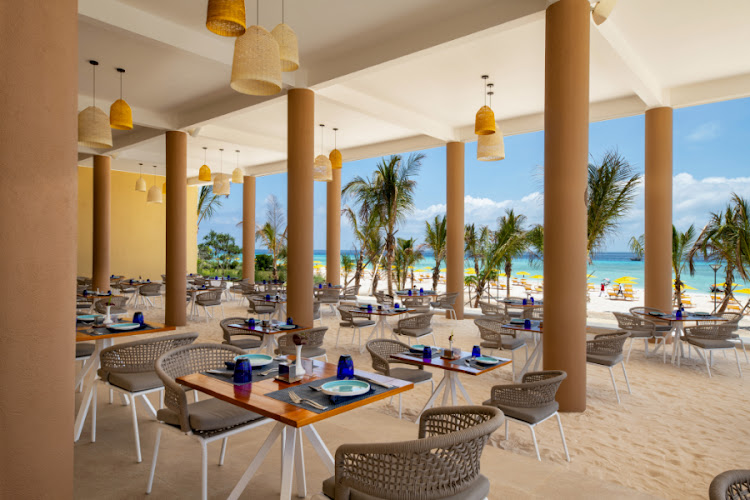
{"points": [[657, 314], [701, 314], [87, 317], [345, 388], [487, 360], [124, 326], [256, 359], [517, 321], [287, 327], [419, 348]]}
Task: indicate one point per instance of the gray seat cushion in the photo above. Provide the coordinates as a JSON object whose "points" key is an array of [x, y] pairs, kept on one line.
{"points": [[663, 328], [711, 343], [357, 323], [477, 490], [244, 342], [133, 382], [603, 359], [506, 343], [264, 309], [640, 334], [307, 352], [414, 375], [210, 415], [208, 302], [84, 350], [528, 415], [413, 332]]}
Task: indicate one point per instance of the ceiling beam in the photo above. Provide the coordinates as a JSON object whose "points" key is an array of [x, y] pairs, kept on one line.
{"points": [[249, 139], [720, 89], [141, 116]]}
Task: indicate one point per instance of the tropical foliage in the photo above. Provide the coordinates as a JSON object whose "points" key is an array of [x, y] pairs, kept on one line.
{"points": [[682, 255], [219, 250], [408, 253], [436, 238], [637, 246], [347, 267], [272, 233], [513, 241], [208, 203]]}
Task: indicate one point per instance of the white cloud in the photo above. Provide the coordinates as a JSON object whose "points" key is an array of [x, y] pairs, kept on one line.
{"points": [[704, 132]]}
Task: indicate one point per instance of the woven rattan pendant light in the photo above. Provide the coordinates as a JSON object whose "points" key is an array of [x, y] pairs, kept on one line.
{"points": [[93, 124], [322, 165], [256, 67], [288, 46], [221, 183], [226, 17], [140, 184], [485, 120], [335, 156], [491, 147], [164, 188], [237, 174], [120, 114], [204, 174], [154, 193]]}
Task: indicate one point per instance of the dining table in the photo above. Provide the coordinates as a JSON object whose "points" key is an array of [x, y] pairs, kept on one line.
{"points": [[269, 344], [270, 398], [383, 313], [678, 328]]}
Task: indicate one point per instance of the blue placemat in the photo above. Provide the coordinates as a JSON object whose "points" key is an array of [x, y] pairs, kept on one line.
{"points": [[257, 377], [331, 402], [476, 366], [106, 331]]}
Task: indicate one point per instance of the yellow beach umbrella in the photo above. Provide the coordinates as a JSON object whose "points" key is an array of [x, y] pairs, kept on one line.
{"points": [[628, 277], [317, 262], [624, 281], [523, 273], [743, 290], [443, 270], [687, 287], [537, 277], [469, 271], [724, 284], [591, 276]]}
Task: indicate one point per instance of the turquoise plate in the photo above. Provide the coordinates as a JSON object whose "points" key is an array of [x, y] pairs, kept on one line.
{"points": [[87, 317], [256, 359], [345, 388], [487, 360]]}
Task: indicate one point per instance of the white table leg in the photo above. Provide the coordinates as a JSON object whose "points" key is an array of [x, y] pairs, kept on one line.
{"points": [[435, 393], [536, 353], [463, 390], [259, 458], [87, 365], [288, 462], [320, 448], [453, 387], [299, 465]]}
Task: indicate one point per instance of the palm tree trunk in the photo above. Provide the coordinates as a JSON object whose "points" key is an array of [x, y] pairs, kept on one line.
{"points": [[358, 271], [508, 270], [435, 276]]}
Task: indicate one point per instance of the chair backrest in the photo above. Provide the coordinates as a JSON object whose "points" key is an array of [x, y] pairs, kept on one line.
{"points": [[730, 485], [316, 310], [140, 355], [199, 281], [607, 344], [380, 351], [490, 309], [206, 296], [415, 301], [228, 330], [348, 313], [492, 329], [630, 322], [417, 321], [329, 295], [115, 302], [643, 311], [383, 298], [448, 299], [150, 289], [314, 337], [537, 389], [534, 312], [350, 293], [185, 360], [717, 331]]}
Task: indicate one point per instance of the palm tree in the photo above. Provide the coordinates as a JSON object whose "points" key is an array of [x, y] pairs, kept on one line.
{"points": [[611, 192], [273, 233], [436, 237], [208, 202], [389, 194], [637, 246], [369, 249], [347, 266], [483, 247], [535, 239], [512, 240], [682, 244], [408, 253]]}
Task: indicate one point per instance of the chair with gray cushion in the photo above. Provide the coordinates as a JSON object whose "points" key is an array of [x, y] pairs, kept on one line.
{"points": [[494, 336], [353, 317], [640, 328], [662, 327], [210, 299], [329, 297], [534, 313], [493, 311], [730, 485], [446, 302], [606, 350], [116, 305], [151, 290], [710, 338], [384, 299], [443, 463], [380, 351], [239, 337], [313, 347], [350, 293], [733, 320], [129, 369], [258, 306], [420, 304], [205, 421], [531, 402], [416, 327]]}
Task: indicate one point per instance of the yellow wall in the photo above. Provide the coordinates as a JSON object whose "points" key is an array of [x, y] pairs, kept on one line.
{"points": [[138, 241]]}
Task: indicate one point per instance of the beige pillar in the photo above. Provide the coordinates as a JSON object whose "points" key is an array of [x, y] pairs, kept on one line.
{"points": [[248, 227], [455, 224], [300, 154], [566, 132], [175, 310], [333, 229], [102, 217], [658, 255], [38, 204]]}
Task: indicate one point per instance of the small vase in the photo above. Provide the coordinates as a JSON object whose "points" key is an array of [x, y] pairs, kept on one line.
{"points": [[300, 369], [108, 317]]}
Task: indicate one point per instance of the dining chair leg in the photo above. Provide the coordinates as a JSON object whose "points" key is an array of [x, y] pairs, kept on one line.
{"points": [[195, 393], [630, 348], [93, 411], [399, 406], [204, 470], [626, 377], [338, 334], [614, 384], [153, 461], [110, 396], [562, 436], [742, 343], [223, 450], [135, 432], [708, 368], [513, 363], [736, 355], [507, 431], [536, 446]]}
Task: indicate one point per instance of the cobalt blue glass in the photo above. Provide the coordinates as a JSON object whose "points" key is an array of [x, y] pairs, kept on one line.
{"points": [[524, 302], [678, 313], [532, 301], [396, 306], [345, 368], [289, 321], [320, 285], [409, 293], [85, 293], [380, 308], [427, 352], [138, 318], [476, 351], [329, 285], [216, 277], [243, 371], [369, 307], [421, 291], [268, 297], [251, 322], [527, 324]]}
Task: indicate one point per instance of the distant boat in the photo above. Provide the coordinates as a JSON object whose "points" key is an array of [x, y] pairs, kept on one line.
{"points": [[637, 259]]}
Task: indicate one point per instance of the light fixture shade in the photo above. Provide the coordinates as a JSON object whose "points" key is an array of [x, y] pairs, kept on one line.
{"points": [[140, 185], [256, 67], [602, 10], [221, 187], [154, 195], [164, 188], [226, 17], [238, 176], [288, 46], [322, 169], [485, 121], [491, 147], [204, 174], [336, 160], [93, 129], [120, 115]]}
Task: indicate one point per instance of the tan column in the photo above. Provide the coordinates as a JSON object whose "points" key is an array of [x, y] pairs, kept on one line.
{"points": [[175, 310], [455, 224], [248, 227], [102, 217], [300, 153], [658, 255], [333, 229], [38, 205], [566, 129]]}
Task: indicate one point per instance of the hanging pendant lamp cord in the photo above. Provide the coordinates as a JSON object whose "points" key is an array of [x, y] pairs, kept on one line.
{"points": [[94, 85], [120, 86]]}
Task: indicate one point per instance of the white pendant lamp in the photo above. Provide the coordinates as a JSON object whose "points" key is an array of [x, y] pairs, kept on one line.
{"points": [[221, 184], [154, 194], [140, 184], [288, 46], [491, 147], [238, 175], [322, 170], [484, 123], [256, 67], [93, 124], [120, 114]]}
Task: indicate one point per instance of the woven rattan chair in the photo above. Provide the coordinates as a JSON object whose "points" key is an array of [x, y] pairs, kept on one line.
{"points": [[416, 327], [200, 282], [380, 351], [420, 304], [446, 302], [640, 328], [733, 320], [129, 369], [353, 317], [534, 313], [329, 297], [312, 349], [494, 311], [240, 337], [258, 306], [710, 338], [662, 327], [205, 421], [117, 305], [384, 299], [317, 316], [442, 463], [151, 290], [730, 485], [531, 402], [350, 293], [210, 299], [494, 336], [606, 350], [513, 308]]}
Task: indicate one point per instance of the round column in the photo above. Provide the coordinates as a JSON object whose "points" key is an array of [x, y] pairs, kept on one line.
{"points": [[176, 258], [300, 154], [566, 129], [658, 193], [248, 227], [102, 216], [333, 229], [455, 224]]}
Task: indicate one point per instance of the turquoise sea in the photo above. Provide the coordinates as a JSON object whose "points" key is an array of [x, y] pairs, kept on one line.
{"points": [[607, 265]]}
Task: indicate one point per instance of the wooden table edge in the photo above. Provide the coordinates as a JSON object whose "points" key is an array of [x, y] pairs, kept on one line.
{"points": [[453, 367]]}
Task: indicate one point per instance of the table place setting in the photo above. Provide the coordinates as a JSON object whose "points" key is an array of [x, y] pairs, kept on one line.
{"points": [[248, 368]]}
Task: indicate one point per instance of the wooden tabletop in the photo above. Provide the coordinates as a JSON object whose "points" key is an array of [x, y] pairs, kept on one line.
{"points": [[94, 296], [521, 304], [685, 317], [283, 412], [265, 331], [83, 336], [445, 364]]}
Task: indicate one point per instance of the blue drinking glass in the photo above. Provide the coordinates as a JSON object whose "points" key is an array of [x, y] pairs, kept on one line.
{"points": [[532, 301], [525, 302], [268, 297], [85, 293], [409, 293], [138, 318], [476, 351], [345, 367], [380, 308], [397, 306], [678, 314], [527, 324], [421, 291], [329, 285], [320, 286], [216, 277], [369, 307], [251, 322], [289, 321], [264, 282], [427, 352], [243, 371]]}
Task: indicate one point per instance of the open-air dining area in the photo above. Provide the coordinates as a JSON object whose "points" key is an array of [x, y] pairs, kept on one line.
{"points": [[343, 250]]}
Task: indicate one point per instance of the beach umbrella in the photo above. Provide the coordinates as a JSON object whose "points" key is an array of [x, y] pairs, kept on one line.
{"points": [[624, 281], [537, 277], [687, 287], [628, 278], [724, 284], [523, 273], [743, 290], [469, 271], [591, 276], [443, 270], [317, 262]]}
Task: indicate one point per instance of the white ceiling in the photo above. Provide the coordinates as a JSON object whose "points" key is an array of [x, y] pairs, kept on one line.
{"points": [[393, 75]]}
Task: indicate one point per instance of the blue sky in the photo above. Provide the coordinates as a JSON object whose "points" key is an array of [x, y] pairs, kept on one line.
{"points": [[711, 151]]}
